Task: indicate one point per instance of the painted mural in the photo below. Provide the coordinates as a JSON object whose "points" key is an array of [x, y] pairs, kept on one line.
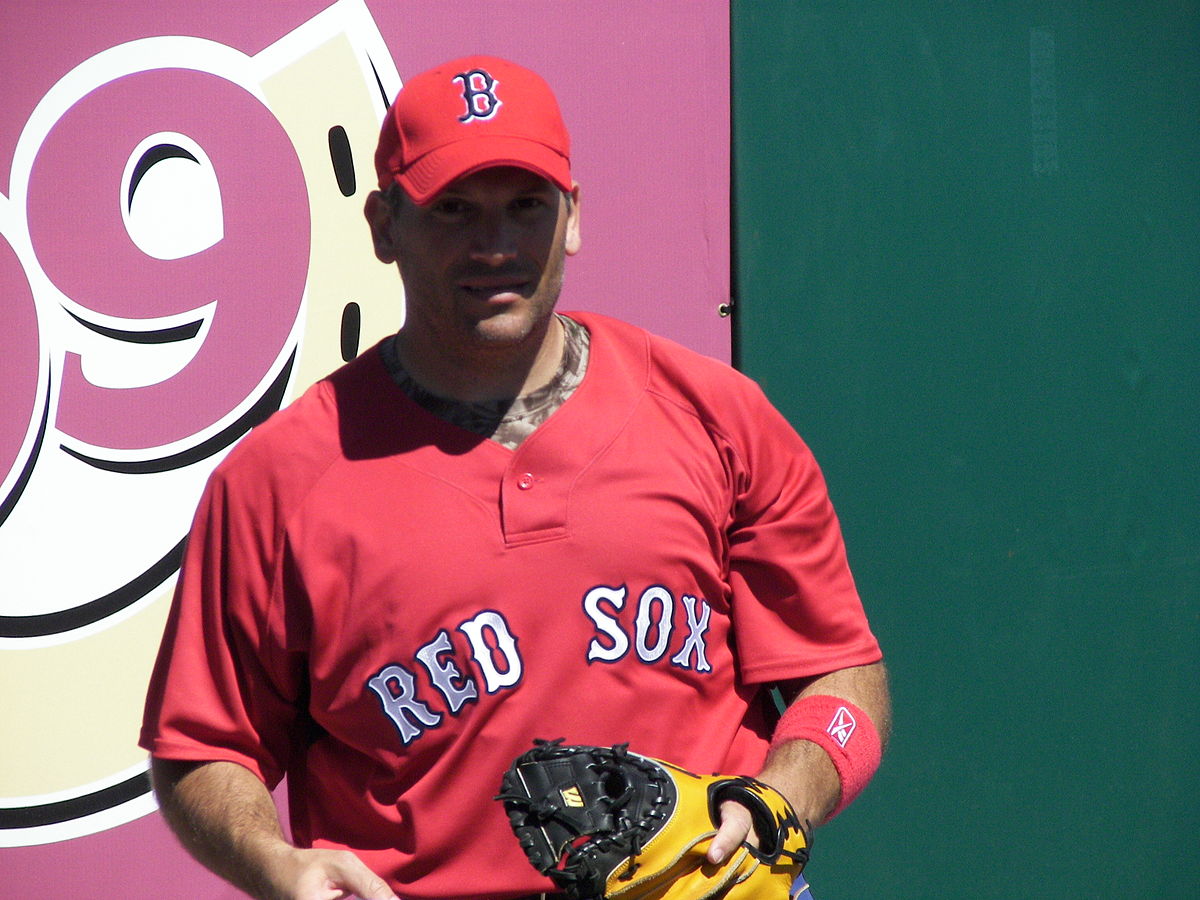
{"points": [[182, 252]]}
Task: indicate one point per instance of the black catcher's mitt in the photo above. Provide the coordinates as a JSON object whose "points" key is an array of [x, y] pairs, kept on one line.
{"points": [[605, 823]]}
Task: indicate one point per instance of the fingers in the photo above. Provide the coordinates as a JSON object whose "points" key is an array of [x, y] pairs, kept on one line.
{"points": [[337, 875], [375, 888], [364, 884], [736, 827]]}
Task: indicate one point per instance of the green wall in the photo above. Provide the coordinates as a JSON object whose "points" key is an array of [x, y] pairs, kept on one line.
{"points": [[967, 256]]}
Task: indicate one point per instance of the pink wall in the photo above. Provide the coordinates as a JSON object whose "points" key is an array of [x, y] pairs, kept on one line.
{"points": [[87, 533]]}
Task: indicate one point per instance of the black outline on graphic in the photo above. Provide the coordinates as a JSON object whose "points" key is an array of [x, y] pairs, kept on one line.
{"points": [[76, 807], [149, 160], [9, 503], [269, 403], [171, 335], [98, 609]]}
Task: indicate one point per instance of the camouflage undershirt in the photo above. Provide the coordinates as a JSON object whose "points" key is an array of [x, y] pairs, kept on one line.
{"points": [[509, 421]]}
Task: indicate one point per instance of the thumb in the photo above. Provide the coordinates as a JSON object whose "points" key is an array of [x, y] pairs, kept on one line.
{"points": [[366, 885], [735, 828], [340, 875]]}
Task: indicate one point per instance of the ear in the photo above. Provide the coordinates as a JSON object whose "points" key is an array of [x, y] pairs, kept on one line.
{"points": [[573, 239], [379, 216]]}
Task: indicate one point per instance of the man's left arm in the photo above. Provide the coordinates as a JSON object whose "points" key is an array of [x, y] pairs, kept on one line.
{"points": [[802, 770]]}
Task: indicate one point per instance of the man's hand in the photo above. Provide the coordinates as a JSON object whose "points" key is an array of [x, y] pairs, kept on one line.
{"points": [[736, 827], [226, 818], [298, 874], [800, 770]]}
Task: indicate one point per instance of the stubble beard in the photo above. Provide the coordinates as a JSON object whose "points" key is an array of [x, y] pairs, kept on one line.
{"points": [[525, 321], [477, 349], [513, 327]]}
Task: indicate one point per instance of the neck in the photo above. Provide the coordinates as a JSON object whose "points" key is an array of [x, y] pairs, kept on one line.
{"points": [[485, 373]]}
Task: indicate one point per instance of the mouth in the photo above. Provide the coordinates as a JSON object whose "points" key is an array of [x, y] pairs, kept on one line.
{"points": [[499, 288]]}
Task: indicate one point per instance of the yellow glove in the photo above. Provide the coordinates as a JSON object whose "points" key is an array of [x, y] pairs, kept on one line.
{"points": [[608, 824]]}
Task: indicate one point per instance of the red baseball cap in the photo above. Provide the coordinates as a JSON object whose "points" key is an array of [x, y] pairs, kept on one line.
{"points": [[470, 114]]}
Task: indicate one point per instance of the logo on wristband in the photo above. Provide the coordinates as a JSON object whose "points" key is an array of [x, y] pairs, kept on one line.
{"points": [[842, 726]]}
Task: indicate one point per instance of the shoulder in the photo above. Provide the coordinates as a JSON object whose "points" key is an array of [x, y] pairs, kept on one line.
{"points": [[299, 441], [715, 391], [668, 362]]}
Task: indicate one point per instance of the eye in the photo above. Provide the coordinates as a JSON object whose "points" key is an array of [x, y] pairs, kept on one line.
{"points": [[531, 205], [450, 207], [529, 202]]}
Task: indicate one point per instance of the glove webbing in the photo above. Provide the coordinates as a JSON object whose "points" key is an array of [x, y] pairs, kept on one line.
{"points": [[545, 810]]}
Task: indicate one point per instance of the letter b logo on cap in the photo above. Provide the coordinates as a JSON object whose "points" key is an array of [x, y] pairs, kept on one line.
{"points": [[479, 94]]}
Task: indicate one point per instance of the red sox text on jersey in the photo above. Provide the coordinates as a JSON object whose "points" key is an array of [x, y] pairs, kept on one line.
{"points": [[495, 653]]}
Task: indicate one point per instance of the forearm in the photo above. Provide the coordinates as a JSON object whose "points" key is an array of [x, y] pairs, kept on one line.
{"points": [[800, 769], [225, 817]]}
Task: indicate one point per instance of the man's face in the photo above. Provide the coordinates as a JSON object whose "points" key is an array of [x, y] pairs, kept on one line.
{"points": [[482, 263]]}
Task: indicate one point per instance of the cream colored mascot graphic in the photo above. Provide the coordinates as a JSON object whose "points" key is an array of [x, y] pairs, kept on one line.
{"points": [[183, 252]]}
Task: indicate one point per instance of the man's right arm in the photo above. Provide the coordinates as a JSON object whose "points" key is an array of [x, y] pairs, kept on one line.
{"points": [[225, 817]]}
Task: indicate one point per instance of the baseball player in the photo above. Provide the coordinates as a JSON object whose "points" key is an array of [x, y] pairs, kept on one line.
{"points": [[504, 523]]}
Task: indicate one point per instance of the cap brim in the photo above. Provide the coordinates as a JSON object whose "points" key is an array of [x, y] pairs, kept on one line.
{"points": [[432, 173]]}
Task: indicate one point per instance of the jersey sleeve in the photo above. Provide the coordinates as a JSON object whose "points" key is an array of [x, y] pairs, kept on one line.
{"points": [[227, 684], [796, 608]]}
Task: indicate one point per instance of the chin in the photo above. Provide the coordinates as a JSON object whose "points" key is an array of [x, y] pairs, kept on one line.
{"points": [[509, 328]]}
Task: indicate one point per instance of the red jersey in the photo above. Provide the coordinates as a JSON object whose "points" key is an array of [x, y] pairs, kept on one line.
{"points": [[388, 609]]}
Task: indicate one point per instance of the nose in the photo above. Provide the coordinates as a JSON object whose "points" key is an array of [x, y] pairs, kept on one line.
{"points": [[495, 241]]}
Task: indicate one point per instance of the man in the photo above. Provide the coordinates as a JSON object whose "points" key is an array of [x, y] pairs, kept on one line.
{"points": [[501, 524]]}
